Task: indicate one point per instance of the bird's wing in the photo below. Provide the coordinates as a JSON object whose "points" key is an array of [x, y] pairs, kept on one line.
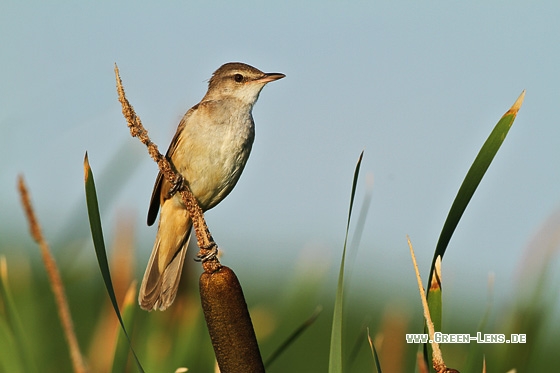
{"points": [[155, 200], [162, 186]]}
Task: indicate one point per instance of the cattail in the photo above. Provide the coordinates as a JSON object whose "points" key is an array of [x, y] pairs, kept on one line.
{"points": [[229, 323]]}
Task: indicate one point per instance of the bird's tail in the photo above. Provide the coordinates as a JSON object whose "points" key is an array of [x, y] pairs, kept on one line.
{"points": [[163, 273]]}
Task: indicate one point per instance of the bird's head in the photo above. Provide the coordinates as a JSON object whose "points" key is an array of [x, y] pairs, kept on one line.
{"points": [[240, 81]]}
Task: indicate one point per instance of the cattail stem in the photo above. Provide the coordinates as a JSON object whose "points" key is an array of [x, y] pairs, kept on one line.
{"points": [[203, 236], [55, 280]]}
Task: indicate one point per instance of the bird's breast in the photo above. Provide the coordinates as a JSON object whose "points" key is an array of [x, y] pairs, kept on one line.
{"points": [[213, 149]]}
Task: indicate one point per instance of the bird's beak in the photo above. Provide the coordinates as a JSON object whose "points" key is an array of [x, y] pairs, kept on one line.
{"points": [[270, 77]]}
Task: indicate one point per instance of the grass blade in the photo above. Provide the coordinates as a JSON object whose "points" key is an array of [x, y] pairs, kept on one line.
{"points": [[435, 305], [99, 244], [436, 356], [120, 358], [293, 336], [473, 178], [120, 168], [374, 353], [335, 356], [14, 351], [359, 228]]}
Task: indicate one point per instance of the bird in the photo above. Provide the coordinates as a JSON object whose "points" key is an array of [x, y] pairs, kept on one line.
{"points": [[209, 150]]}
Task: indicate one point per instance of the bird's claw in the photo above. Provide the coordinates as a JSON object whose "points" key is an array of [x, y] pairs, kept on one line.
{"points": [[177, 186], [213, 248]]}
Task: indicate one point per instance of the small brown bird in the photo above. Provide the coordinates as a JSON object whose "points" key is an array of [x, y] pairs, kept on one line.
{"points": [[209, 150]]}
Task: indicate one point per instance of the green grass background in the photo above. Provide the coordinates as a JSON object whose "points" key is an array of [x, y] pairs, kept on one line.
{"points": [[31, 338]]}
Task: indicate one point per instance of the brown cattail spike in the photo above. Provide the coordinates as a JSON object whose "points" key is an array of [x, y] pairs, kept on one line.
{"points": [[229, 323]]}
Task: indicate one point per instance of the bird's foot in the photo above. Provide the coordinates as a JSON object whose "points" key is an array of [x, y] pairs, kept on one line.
{"points": [[213, 253], [177, 186]]}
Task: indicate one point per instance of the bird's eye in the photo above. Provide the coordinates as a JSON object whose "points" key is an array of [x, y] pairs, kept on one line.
{"points": [[238, 78]]}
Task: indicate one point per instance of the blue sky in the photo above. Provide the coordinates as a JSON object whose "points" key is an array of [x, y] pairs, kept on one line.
{"points": [[418, 87]]}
